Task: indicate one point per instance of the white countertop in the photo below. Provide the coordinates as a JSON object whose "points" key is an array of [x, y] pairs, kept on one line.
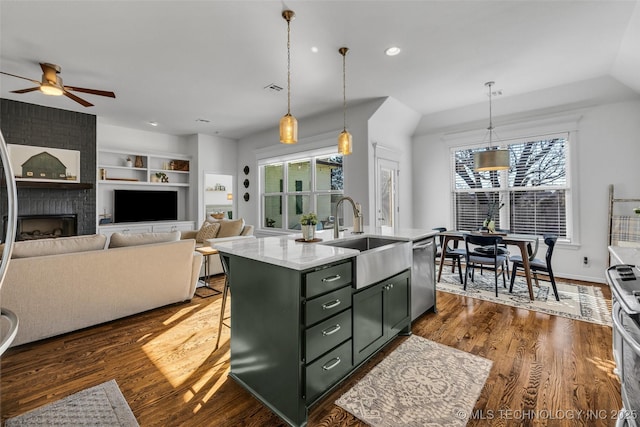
{"points": [[286, 252], [625, 255]]}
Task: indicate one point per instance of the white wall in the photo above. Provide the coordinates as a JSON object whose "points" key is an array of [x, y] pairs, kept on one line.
{"points": [[312, 132], [207, 154], [607, 145], [391, 127], [218, 155]]}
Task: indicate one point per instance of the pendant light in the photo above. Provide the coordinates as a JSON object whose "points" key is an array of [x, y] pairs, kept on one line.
{"points": [[288, 123], [492, 159], [344, 139]]}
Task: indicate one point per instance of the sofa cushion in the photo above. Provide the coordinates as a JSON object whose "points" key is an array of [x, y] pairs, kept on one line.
{"points": [[229, 228], [208, 230], [121, 240], [59, 245]]}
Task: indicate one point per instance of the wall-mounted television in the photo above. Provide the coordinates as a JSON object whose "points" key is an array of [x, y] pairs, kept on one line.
{"points": [[144, 205]]}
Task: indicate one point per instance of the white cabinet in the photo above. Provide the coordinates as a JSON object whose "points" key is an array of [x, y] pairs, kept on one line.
{"points": [[146, 227]]}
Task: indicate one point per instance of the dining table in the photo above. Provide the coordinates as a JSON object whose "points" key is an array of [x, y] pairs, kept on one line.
{"points": [[522, 241]]}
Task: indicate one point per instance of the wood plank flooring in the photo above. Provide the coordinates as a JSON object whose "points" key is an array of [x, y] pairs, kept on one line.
{"points": [[547, 371]]}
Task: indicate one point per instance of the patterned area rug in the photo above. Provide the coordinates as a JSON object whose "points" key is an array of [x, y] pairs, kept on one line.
{"points": [[421, 383], [101, 405], [579, 302]]}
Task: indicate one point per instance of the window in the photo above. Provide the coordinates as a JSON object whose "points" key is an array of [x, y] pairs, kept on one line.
{"points": [[313, 184], [534, 193]]}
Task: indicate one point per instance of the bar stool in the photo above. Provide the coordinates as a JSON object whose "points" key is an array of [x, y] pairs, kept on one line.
{"points": [[225, 294]]}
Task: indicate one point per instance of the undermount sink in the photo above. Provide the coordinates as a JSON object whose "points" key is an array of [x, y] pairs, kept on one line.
{"points": [[361, 244], [379, 257]]}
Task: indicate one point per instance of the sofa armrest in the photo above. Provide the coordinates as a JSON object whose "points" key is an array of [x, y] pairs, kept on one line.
{"points": [[188, 234], [195, 271]]}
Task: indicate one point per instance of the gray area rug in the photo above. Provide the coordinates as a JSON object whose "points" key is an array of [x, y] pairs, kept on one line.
{"points": [[578, 302], [421, 383], [102, 405]]}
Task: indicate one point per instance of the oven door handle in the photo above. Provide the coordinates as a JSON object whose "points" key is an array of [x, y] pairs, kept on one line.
{"points": [[617, 322]]}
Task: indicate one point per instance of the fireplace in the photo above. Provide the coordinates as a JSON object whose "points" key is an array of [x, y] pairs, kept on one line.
{"points": [[33, 227]]}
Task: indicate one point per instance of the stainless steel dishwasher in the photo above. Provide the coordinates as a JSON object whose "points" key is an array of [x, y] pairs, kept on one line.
{"points": [[423, 277]]}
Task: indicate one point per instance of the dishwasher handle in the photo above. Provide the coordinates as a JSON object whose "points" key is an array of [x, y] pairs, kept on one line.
{"points": [[422, 245]]}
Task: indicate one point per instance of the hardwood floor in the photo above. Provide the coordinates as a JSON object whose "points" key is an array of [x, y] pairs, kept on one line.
{"points": [[547, 370]]}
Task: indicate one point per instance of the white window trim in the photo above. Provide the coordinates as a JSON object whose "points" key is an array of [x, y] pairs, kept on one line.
{"points": [[545, 127], [317, 146]]}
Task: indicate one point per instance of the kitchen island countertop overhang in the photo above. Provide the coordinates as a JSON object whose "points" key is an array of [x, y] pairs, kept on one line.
{"points": [[285, 251]]}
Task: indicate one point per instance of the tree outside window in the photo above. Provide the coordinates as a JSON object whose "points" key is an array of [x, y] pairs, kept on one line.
{"points": [[535, 189]]}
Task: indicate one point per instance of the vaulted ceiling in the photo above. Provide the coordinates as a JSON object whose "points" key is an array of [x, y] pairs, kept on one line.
{"points": [[205, 66]]}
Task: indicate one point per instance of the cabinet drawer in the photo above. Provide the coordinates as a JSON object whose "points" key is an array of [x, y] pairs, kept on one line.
{"points": [[328, 334], [327, 279], [327, 305], [328, 370]]}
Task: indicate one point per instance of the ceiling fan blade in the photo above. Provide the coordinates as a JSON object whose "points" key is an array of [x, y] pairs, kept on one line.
{"points": [[91, 91], [78, 99], [31, 89], [20, 77]]}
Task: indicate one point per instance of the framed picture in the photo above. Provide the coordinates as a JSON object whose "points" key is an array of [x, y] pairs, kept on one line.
{"points": [[45, 164]]}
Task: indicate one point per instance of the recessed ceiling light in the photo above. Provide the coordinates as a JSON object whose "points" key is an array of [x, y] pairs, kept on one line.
{"points": [[392, 51], [314, 49], [153, 123]]}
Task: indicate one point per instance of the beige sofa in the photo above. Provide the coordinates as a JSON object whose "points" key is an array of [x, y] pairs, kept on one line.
{"points": [[215, 231], [61, 285]]}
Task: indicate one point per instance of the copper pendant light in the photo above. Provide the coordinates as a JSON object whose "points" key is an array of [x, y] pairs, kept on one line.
{"points": [[288, 123], [491, 159], [344, 139]]}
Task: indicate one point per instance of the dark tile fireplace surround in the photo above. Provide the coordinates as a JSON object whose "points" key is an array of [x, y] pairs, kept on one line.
{"points": [[29, 124]]}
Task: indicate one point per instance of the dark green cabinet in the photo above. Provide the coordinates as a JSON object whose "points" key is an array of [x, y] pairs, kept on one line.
{"points": [[293, 332], [380, 312]]}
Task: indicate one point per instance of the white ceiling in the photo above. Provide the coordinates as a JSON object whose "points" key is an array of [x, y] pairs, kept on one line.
{"points": [[174, 62]]}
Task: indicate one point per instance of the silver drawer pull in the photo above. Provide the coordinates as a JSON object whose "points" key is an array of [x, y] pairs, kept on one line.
{"points": [[331, 304], [335, 362], [332, 330], [332, 278]]}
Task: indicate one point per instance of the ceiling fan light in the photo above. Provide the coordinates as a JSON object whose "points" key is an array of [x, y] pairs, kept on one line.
{"points": [[49, 89], [345, 146], [288, 129], [491, 160]]}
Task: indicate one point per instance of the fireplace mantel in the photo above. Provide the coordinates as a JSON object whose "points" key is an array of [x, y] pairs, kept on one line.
{"points": [[53, 185]]}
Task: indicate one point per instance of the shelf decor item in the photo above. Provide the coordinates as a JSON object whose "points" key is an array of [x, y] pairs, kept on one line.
{"points": [[138, 163]]}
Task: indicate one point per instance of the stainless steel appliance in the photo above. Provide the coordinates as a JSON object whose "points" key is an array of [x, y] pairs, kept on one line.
{"points": [[624, 281], [423, 277]]}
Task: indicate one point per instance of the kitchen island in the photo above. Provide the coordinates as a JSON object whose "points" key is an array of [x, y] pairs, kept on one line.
{"points": [[299, 324]]}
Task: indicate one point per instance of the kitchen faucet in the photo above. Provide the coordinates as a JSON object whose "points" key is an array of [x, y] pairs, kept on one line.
{"points": [[358, 220]]}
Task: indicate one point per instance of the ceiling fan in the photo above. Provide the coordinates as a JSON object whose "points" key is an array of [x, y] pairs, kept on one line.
{"points": [[51, 84]]}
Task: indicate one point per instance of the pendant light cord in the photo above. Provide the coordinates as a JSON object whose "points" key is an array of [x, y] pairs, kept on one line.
{"points": [[288, 66], [343, 51], [344, 89], [489, 84]]}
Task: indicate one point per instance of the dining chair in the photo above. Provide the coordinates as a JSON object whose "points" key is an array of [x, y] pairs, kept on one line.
{"points": [[454, 253], [502, 248], [474, 258], [538, 265]]}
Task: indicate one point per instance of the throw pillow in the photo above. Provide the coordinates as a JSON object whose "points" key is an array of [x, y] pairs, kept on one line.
{"points": [[209, 230], [121, 240], [230, 228]]}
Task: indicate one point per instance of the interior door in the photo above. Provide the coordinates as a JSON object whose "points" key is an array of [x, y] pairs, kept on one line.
{"points": [[387, 172]]}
